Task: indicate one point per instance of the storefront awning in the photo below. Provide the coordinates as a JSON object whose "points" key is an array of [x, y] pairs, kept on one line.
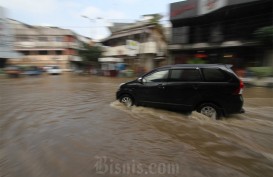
{"points": [[200, 45], [231, 44], [204, 46], [111, 59], [75, 58]]}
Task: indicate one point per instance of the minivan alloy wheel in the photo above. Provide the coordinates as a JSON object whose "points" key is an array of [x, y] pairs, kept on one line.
{"points": [[209, 110], [126, 100]]}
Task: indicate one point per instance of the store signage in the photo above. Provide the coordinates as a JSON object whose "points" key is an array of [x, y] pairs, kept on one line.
{"points": [[207, 6], [193, 8], [132, 47], [183, 9]]}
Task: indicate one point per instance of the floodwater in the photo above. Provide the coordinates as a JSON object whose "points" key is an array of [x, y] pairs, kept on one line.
{"points": [[71, 126]]}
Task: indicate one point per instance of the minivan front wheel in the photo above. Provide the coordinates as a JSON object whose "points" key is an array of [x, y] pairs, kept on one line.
{"points": [[127, 100], [209, 110]]}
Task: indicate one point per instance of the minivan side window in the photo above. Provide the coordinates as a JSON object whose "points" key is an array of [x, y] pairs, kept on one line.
{"points": [[158, 76], [214, 75], [182, 75]]}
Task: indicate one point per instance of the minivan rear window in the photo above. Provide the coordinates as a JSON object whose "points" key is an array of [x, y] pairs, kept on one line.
{"points": [[182, 75], [214, 75]]}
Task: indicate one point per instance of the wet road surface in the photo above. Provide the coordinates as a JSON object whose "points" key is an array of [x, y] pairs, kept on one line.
{"points": [[71, 126]]}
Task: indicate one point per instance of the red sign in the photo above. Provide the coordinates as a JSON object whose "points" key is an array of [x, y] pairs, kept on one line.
{"points": [[183, 9]]}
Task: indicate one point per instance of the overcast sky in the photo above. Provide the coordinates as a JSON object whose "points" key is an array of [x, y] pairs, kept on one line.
{"points": [[68, 13]]}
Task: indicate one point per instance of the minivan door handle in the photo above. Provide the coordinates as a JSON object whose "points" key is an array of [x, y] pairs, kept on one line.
{"points": [[161, 86]]}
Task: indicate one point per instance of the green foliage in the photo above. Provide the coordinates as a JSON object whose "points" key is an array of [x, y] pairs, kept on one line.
{"points": [[90, 54], [2, 71], [265, 35], [261, 71], [156, 20], [196, 61]]}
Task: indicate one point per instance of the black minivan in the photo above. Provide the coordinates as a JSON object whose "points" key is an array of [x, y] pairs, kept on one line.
{"points": [[211, 89]]}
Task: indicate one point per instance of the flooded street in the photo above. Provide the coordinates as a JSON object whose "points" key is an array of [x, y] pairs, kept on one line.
{"points": [[71, 126]]}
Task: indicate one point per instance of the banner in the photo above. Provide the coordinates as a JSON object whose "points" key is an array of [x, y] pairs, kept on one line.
{"points": [[132, 47]]}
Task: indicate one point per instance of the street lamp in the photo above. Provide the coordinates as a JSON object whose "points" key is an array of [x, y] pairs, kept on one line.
{"points": [[88, 18], [92, 20]]}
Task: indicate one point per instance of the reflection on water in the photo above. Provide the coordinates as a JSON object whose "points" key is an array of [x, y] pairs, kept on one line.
{"points": [[57, 126]]}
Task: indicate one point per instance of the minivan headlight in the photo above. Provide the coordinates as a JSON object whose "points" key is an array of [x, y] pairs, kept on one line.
{"points": [[121, 84]]}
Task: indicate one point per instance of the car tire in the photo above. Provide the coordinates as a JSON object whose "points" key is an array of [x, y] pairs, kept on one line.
{"points": [[210, 110], [127, 100]]}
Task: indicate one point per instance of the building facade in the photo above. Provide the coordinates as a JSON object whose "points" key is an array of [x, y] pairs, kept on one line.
{"points": [[219, 31], [139, 45], [43, 46], [6, 40]]}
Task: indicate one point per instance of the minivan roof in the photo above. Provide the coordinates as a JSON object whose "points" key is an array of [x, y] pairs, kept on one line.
{"points": [[195, 65]]}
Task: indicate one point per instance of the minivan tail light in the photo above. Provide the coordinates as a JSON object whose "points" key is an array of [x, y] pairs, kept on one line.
{"points": [[240, 89]]}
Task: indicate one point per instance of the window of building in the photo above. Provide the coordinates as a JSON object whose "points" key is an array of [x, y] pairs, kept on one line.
{"points": [[58, 52], [43, 52], [137, 37], [181, 34], [43, 38], [22, 38], [158, 76], [70, 38], [25, 52], [59, 39], [214, 75], [182, 75]]}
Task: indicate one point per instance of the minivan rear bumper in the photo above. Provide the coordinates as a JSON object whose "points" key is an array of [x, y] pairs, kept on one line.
{"points": [[234, 105]]}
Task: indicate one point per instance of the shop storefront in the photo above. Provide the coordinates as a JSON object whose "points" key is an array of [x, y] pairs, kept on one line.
{"points": [[111, 66], [208, 31]]}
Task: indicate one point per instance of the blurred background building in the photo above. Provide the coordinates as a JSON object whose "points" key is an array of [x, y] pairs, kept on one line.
{"points": [[6, 40], [43, 46], [141, 45], [220, 31]]}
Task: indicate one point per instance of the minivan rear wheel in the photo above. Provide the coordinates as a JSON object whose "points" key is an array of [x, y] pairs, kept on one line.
{"points": [[210, 110], [127, 100]]}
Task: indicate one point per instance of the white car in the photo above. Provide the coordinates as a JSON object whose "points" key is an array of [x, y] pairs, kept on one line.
{"points": [[54, 70]]}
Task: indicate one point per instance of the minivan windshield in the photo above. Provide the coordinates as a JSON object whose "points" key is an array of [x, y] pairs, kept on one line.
{"points": [[158, 76]]}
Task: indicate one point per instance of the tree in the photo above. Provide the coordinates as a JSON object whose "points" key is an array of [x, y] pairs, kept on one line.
{"points": [[155, 19], [265, 36], [90, 54], [196, 61]]}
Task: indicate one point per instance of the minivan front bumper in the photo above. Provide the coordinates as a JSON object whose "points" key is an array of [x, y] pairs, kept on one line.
{"points": [[118, 93], [242, 111]]}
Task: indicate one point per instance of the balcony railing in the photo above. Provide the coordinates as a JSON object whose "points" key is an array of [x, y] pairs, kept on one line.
{"points": [[31, 44], [144, 48]]}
